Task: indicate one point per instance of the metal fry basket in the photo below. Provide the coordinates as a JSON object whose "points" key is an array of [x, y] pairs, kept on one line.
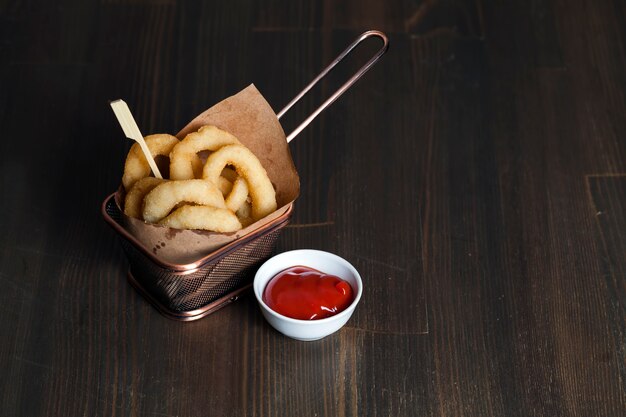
{"points": [[191, 291]]}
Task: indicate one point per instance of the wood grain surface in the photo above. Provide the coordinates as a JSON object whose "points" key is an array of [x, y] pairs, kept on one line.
{"points": [[475, 177]]}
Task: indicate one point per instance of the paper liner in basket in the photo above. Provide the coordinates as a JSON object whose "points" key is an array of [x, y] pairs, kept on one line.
{"points": [[249, 117]]}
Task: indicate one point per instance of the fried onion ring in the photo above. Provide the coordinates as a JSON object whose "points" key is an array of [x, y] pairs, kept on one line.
{"points": [[134, 198], [136, 166], [204, 218], [162, 199], [184, 155], [249, 167]]}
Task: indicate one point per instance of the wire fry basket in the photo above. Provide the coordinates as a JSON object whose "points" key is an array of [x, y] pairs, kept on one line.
{"points": [[191, 291]]}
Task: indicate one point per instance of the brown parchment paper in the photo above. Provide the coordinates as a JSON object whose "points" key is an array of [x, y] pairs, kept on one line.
{"points": [[249, 117]]}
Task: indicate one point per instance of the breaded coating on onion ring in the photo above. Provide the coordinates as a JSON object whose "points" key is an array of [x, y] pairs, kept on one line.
{"points": [[136, 166], [203, 218], [133, 202], [161, 200], [249, 167], [183, 155]]}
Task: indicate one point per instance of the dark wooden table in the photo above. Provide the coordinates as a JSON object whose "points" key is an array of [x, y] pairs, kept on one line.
{"points": [[476, 178]]}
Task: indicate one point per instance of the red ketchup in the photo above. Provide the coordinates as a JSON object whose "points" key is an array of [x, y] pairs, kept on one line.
{"points": [[305, 293]]}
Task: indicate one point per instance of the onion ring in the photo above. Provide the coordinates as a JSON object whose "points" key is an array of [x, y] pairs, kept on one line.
{"points": [[184, 154], [136, 166], [249, 167], [204, 218], [134, 198], [161, 200]]}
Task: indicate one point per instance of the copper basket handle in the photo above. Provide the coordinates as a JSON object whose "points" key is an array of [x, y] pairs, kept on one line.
{"points": [[344, 87]]}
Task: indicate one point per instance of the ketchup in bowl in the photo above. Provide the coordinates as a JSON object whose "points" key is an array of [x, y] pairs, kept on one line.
{"points": [[305, 293]]}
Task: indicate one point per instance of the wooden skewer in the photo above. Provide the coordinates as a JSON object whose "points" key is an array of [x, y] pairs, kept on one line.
{"points": [[131, 130]]}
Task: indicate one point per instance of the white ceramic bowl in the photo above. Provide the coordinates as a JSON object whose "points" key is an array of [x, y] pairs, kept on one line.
{"points": [[323, 261]]}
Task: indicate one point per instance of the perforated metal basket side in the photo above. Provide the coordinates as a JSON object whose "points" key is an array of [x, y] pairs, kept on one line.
{"points": [[187, 294], [188, 291]]}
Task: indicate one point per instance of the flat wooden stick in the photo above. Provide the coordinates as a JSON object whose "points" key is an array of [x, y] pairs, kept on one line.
{"points": [[131, 130]]}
